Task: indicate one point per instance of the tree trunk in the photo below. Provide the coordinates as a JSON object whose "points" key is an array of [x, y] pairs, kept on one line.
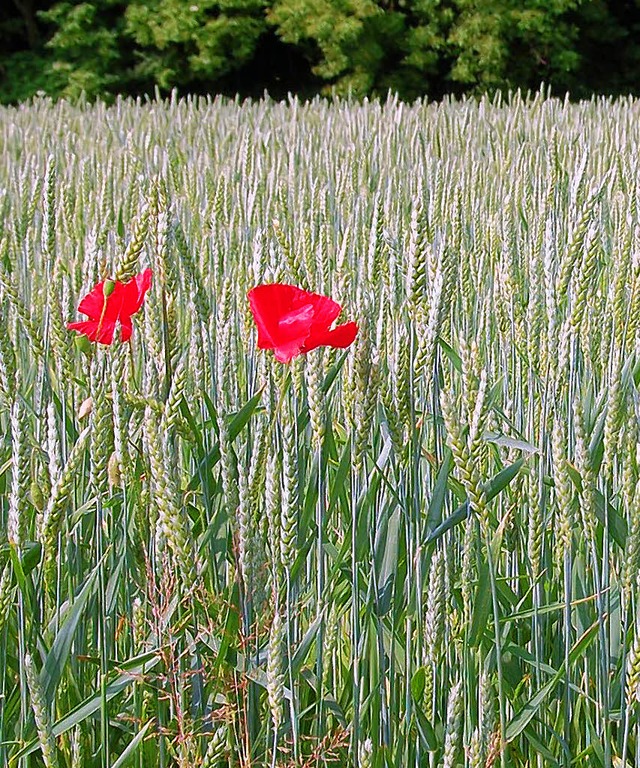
{"points": [[27, 11]]}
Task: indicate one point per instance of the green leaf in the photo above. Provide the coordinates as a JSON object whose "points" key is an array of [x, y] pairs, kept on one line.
{"points": [[524, 716], [598, 758], [31, 555], [541, 749], [481, 606], [332, 373], [461, 513], [495, 486], [131, 671], [417, 683], [59, 653], [329, 702], [83, 345], [434, 513], [305, 644], [237, 424], [617, 524], [132, 746], [452, 355], [545, 609], [425, 730], [338, 486], [499, 482], [20, 575], [386, 552]]}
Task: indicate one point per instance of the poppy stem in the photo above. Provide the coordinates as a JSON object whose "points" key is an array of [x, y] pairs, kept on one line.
{"points": [[320, 514], [102, 315], [285, 383]]}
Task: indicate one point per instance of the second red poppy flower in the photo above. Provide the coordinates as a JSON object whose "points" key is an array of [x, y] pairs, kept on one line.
{"points": [[292, 321]]}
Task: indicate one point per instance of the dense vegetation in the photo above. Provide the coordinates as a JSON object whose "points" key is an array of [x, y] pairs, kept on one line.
{"points": [[419, 551], [413, 47]]}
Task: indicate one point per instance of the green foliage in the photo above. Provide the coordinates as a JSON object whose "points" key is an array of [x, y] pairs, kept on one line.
{"points": [[512, 44], [425, 44], [361, 47], [87, 47], [180, 42], [26, 73], [347, 41]]}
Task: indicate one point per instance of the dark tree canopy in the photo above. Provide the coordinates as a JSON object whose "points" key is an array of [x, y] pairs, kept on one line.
{"points": [[362, 47]]}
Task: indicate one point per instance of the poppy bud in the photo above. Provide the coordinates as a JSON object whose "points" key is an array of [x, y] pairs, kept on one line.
{"points": [[37, 497], [108, 287], [83, 344]]}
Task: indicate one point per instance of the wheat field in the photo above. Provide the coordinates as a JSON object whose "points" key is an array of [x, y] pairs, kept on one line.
{"points": [[418, 551]]}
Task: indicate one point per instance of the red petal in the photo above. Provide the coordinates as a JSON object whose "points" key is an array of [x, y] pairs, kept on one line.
{"points": [[125, 329], [340, 337], [94, 330], [86, 327], [93, 303], [295, 326], [96, 306], [269, 303], [115, 303], [326, 310], [133, 293], [286, 352]]}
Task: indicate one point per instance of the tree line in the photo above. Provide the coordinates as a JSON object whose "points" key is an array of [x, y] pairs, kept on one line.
{"points": [[360, 47]]}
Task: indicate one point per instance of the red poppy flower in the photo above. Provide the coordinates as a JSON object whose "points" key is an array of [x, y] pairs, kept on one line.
{"points": [[111, 302], [292, 321]]}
